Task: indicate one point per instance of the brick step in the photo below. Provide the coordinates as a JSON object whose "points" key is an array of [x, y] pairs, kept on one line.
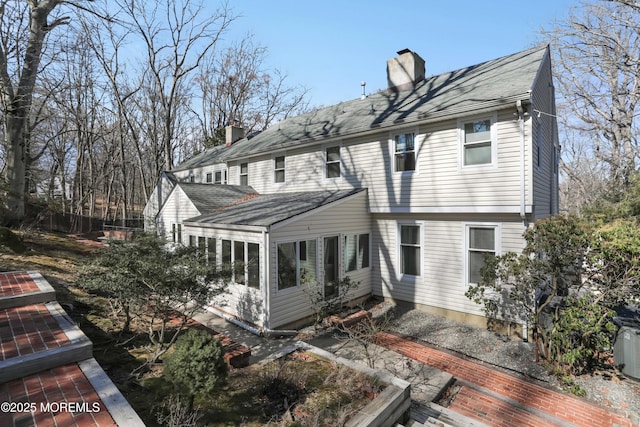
{"points": [[19, 288], [38, 337]]}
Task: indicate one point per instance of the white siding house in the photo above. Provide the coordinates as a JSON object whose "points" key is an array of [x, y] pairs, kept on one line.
{"points": [[404, 191]]}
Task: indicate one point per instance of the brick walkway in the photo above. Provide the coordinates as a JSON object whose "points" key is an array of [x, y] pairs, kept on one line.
{"points": [[499, 399]]}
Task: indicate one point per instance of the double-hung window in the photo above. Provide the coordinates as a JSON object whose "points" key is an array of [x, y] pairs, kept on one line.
{"points": [[209, 178], [356, 252], [297, 262], [404, 152], [218, 177], [478, 141], [244, 174], [332, 162], [481, 243], [410, 249], [278, 169]]}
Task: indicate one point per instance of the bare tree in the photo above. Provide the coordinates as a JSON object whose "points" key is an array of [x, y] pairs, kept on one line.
{"points": [[23, 30], [597, 66], [235, 87], [176, 35]]}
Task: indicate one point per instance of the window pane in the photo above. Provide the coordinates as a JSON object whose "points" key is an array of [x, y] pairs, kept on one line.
{"points": [[350, 260], [404, 142], [244, 180], [363, 250], [286, 265], [478, 131], [482, 238], [244, 168], [476, 261], [410, 260], [477, 154], [279, 162], [280, 176], [226, 253], [405, 161], [308, 264], [192, 241], [253, 265], [238, 262], [333, 170], [209, 178], [410, 234], [211, 250], [333, 154]]}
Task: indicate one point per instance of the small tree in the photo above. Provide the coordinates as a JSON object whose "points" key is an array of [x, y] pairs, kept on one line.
{"points": [[196, 367], [162, 288], [569, 276], [527, 287], [324, 305]]}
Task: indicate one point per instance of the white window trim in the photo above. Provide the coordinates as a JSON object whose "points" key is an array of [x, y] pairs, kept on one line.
{"points": [[465, 256], [493, 118], [416, 149], [409, 277], [324, 163], [273, 169]]}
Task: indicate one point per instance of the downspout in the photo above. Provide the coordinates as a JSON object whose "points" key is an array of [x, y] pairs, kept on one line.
{"points": [[523, 213], [266, 300]]}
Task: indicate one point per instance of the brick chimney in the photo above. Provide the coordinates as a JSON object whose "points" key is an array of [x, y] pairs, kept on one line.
{"points": [[405, 70], [233, 133]]}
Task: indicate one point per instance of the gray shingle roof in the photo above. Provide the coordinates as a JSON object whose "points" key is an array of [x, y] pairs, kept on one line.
{"points": [[491, 84], [268, 209], [209, 197], [207, 157]]}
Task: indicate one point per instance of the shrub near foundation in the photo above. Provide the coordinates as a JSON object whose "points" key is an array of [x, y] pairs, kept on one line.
{"points": [[196, 367]]}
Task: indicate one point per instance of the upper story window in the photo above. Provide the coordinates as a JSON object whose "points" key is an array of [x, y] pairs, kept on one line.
{"points": [[244, 173], [404, 152], [278, 168], [332, 162], [218, 177], [209, 178], [478, 141]]}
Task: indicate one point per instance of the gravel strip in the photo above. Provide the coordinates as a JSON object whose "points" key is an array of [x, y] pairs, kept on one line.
{"points": [[513, 354]]}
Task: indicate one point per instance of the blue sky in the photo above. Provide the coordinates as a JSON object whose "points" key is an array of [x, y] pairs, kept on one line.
{"points": [[330, 46]]}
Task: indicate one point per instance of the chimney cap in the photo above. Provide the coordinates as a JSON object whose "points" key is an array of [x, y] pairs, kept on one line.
{"points": [[403, 51]]}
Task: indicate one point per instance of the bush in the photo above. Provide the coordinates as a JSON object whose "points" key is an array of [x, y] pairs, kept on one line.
{"points": [[196, 367]]}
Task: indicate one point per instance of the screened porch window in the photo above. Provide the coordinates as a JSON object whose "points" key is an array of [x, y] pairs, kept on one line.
{"points": [[297, 262], [356, 252]]}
